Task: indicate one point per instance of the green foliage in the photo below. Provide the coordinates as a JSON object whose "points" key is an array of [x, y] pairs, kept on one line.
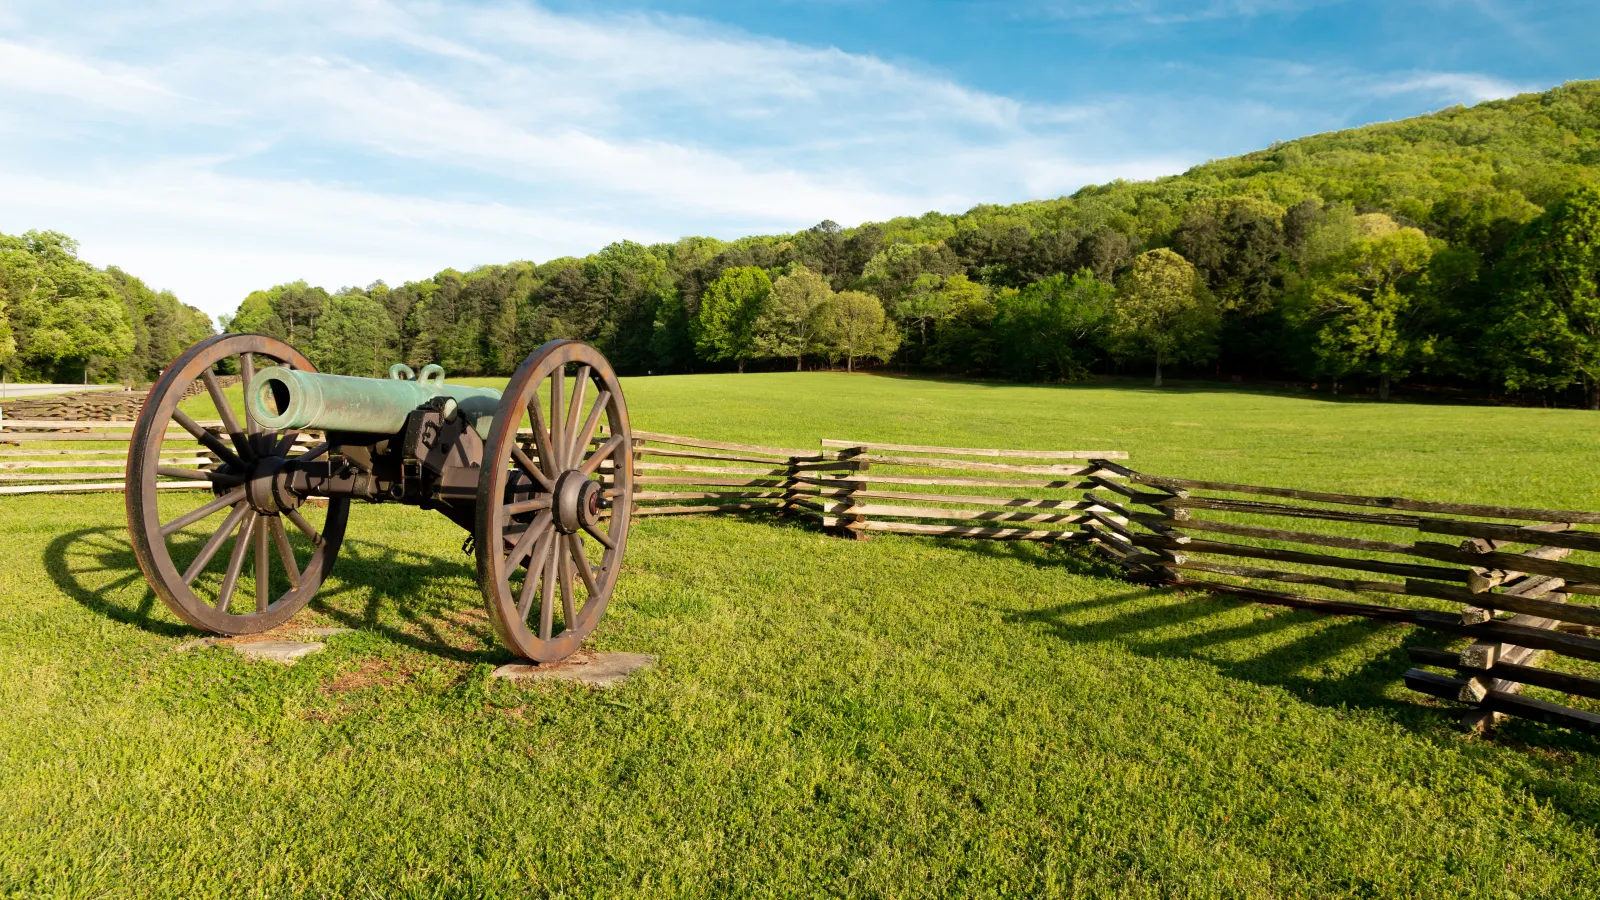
{"points": [[65, 315], [788, 326], [1363, 307], [1163, 313], [1053, 329], [853, 326], [1549, 321], [725, 327], [354, 337], [1267, 233]]}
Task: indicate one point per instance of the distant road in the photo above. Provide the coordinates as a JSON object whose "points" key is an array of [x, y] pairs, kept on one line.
{"points": [[11, 391]]}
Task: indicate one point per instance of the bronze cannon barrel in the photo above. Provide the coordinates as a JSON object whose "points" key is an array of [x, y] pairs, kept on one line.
{"points": [[281, 398]]}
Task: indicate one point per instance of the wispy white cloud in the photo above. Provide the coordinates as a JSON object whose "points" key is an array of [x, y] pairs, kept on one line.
{"points": [[1456, 87], [249, 145]]}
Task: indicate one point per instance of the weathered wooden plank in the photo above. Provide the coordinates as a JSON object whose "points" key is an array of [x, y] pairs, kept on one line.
{"points": [[709, 470], [1561, 612], [1446, 687], [1004, 534], [979, 451], [1405, 570], [1576, 646], [1343, 584], [972, 466], [1567, 683], [1298, 537], [700, 495], [687, 510], [643, 480], [970, 500], [1517, 562], [103, 486], [681, 441], [1256, 507], [1401, 503], [703, 454], [846, 508], [958, 481]]}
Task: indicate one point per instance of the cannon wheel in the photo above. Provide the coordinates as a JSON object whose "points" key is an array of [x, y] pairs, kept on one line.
{"points": [[244, 458], [542, 529]]}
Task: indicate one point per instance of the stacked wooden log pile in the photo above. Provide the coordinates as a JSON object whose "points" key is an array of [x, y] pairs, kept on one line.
{"points": [[89, 406], [1517, 608]]}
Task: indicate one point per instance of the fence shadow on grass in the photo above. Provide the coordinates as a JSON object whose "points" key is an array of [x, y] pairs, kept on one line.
{"points": [[426, 602], [1302, 645]]}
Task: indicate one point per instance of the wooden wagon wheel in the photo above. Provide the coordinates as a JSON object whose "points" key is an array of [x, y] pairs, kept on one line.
{"points": [[247, 458], [542, 526]]}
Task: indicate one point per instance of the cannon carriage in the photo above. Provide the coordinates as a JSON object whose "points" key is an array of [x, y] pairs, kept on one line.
{"points": [[539, 475]]}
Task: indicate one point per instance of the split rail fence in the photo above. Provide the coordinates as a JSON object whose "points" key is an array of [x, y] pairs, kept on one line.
{"points": [[1512, 581]]}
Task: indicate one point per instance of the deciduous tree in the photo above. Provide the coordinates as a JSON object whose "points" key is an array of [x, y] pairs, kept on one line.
{"points": [[854, 326], [1548, 331], [725, 326], [789, 325], [1162, 314]]}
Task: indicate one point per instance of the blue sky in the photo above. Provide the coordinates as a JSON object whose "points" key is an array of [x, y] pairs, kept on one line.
{"points": [[217, 146]]}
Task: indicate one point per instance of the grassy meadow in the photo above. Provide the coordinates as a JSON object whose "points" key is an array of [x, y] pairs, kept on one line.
{"points": [[901, 717]]}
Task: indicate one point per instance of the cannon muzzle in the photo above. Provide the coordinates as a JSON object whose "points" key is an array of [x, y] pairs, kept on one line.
{"points": [[282, 398]]}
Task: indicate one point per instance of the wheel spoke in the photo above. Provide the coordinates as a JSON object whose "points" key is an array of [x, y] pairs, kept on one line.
{"points": [[547, 596], [230, 579], [286, 443], [195, 515], [222, 478], [564, 567], [263, 566], [536, 575], [280, 536], [304, 526], [211, 441], [531, 470], [574, 408], [581, 560], [541, 439], [526, 541], [523, 506], [558, 391], [581, 443], [604, 539], [247, 375], [230, 422], [313, 452], [214, 543], [600, 455]]}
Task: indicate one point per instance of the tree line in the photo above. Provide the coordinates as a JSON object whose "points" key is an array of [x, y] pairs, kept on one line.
{"points": [[1456, 248], [63, 320]]}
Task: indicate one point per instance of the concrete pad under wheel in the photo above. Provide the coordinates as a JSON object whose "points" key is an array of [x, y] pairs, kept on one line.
{"points": [[287, 652], [598, 670]]}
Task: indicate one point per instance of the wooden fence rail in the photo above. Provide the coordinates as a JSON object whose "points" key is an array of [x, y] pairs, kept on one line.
{"points": [[1519, 607], [1512, 583]]}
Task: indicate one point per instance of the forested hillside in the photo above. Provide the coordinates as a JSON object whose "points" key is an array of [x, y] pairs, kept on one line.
{"points": [[63, 320], [1460, 248]]}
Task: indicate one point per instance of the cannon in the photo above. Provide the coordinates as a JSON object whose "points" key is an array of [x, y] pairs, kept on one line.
{"points": [[539, 475]]}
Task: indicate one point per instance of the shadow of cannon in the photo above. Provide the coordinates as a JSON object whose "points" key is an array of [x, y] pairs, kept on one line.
{"points": [[427, 602]]}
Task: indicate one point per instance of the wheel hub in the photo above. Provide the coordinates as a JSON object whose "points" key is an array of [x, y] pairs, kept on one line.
{"points": [[576, 502], [267, 486]]}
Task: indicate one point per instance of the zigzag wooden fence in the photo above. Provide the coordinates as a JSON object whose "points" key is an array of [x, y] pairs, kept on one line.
{"points": [[1455, 567], [1509, 579]]}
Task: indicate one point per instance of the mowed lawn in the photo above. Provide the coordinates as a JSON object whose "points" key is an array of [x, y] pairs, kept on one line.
{"points": [[900, 717]]}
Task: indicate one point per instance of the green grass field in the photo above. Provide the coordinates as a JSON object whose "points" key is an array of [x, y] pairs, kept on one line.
{"points": [[902, 717]]}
